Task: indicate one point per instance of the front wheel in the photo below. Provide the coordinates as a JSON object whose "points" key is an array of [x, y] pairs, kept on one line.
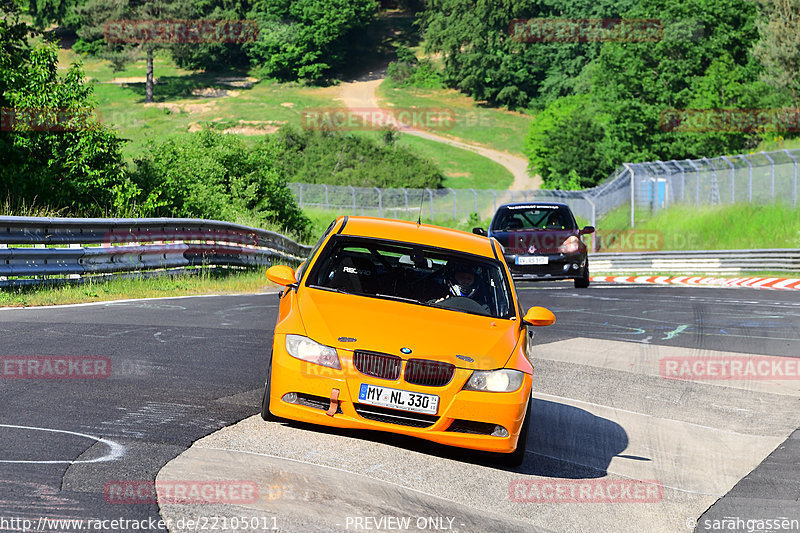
{"points": [[583, 281], [265, 413], [517, 457]]}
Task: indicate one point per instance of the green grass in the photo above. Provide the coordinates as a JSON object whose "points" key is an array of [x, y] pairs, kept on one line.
{"points": [[499, 129], [207, 282], [729, 227]]}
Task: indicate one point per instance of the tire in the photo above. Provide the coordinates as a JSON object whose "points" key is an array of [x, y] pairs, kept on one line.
{"points": [[517, 457], [265, 413], [583, 281]]}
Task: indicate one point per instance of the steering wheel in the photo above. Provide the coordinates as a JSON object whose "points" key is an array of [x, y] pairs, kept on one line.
{"points": [[461, 303]]}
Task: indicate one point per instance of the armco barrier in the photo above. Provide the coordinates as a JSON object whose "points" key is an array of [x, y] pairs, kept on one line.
{"points": [[54, 248], [691, 263]]}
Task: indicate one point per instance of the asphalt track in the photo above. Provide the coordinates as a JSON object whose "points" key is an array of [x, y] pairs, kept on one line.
{"points": [[184, 368]]}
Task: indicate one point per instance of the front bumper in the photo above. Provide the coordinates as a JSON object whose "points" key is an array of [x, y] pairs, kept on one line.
{"points": [[463, 418], [558, 266]]}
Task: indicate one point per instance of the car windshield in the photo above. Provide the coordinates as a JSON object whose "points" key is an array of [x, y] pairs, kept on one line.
{"points": [[534, 217], [414, 274]]}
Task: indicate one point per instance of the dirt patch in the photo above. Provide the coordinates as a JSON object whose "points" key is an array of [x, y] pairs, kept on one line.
{"points": [[237, 81], [287, 104], [184, 107], [248, 130], [134, 79], [210, 92]]}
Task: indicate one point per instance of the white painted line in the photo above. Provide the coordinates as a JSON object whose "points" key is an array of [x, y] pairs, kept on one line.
{"points": [[115, 450]]}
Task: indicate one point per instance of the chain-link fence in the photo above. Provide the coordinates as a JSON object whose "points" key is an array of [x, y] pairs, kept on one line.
{"points": [[763, 177]]}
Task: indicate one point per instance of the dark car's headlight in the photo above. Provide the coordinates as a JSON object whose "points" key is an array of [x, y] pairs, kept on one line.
{"points": [[569, 246], [504, 380], [306, 349]]}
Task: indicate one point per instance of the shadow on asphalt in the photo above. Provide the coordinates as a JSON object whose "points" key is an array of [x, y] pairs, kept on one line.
{"points": [[564, 442]]}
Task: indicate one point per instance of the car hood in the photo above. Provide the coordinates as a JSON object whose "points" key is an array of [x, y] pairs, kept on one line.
{"points": [[544, 241], [387, 326]]}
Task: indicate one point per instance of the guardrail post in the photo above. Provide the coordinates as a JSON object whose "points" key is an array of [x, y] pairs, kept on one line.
{"points": [[794, 180], [772, 174], [733, 179]]}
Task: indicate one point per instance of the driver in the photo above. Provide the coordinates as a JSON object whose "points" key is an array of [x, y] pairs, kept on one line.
{"points": [[463, 279]]}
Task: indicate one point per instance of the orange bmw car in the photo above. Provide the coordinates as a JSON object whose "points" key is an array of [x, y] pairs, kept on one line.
{"points": [[408, 328]]}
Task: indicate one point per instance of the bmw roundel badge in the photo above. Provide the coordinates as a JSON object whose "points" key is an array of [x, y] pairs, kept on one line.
{"points": [[406, 351]]}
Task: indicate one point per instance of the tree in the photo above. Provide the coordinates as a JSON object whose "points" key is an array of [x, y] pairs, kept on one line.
{"points": [[306, 39], [779, 47], [127, 26], [54, 150]]}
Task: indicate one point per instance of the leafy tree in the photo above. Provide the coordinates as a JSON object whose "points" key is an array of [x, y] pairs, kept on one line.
{"points": [[779, 47], [121, 50], [213, 175], [305, 39], [45, 12], [54, 151]]}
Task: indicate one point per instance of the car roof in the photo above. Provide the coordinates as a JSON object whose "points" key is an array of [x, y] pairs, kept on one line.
{"points": [[425, 234], [533, 204]]}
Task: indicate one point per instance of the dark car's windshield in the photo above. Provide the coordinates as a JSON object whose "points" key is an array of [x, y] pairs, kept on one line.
{"points": [[413, 274], [533, 217]]}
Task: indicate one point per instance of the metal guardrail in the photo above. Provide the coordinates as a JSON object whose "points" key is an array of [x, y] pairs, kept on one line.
{"points": [[80, 247], [696, 262]]}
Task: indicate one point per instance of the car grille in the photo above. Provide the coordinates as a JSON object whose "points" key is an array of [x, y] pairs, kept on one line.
{"points": [[392, 416], [429, 373], [377, 365]]}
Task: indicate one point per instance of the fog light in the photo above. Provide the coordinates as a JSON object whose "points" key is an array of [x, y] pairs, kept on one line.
{"points": [[290, 397], [566, 267], [500, 431], [574, 266]]}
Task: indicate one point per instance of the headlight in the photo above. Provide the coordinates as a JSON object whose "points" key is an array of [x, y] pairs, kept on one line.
{"points": [[307, 350], [569, 246], [504, 380]]}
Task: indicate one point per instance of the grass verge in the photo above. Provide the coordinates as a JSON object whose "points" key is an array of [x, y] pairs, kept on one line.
{"points": [[207, 282]]}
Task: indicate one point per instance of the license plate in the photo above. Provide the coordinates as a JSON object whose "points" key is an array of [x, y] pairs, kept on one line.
{"points": [[532, 260], [398, 399]]}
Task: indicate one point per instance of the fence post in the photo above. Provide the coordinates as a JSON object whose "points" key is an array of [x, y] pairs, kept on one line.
{"points": [[633, 192], [453, 192], [696, 181], [326, 197], [494, 192], [352, 189], [475, 203], [683, 181], [772, 173], [749, 178], [430, 192], [405, 193], [733, 179], [380, 202], [794, 180], [300, 195]]}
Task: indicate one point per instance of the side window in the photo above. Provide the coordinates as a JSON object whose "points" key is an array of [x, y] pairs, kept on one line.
{"points": [[304, 266]]}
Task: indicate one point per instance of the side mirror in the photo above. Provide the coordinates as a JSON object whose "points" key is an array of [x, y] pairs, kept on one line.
{"points": [[539, 316], [282, 275], [479, 231], [587, 230]]}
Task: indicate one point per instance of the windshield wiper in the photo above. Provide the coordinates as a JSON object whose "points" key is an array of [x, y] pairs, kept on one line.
{"points": [[397, 298]]}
